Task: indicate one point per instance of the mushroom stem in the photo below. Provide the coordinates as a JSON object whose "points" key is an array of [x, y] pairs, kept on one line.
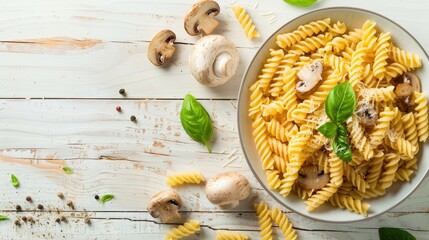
{"points": [[230, 205], [222, 66], [167, 50], [208, 24]]}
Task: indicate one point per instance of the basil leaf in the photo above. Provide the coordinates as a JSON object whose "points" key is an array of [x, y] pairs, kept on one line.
{"points": [[68, 170], [106, 198], [3, 218], [196, 121], [342, 134], [342, 149], [341, 102], [386, 233], [328, 129], [300, 3], [15, 181]]}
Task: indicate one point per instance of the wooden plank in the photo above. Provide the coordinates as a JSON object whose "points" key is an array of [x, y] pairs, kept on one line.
{"points": [[100, 71], [132, 225], [75, 49], [111, 154]]}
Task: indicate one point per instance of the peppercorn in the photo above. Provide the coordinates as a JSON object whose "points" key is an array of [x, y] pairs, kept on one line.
{"points": [[118, 108], [133, 118], [60, 195], [17, 223], [122, 91], [18, 208], [69, 203], [57, 220], [24, 218], [97, 197], [62, 218], [87, 220], [40, 206]]}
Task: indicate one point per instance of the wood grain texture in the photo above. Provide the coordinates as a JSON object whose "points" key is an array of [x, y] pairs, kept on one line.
{"points": [[111, 154], [77, 54], [103, 45]]}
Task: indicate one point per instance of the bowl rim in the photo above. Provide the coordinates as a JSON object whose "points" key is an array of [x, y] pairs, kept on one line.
{"points": [[239, 120]]}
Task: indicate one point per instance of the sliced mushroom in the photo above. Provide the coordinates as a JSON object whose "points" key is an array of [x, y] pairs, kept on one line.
{"points": [[311, 178], [367, 115], [404, 90], [201, 17], [165, 205], [413, 80], [227, 189], [161, 47], [310, 77], [213, 60]]}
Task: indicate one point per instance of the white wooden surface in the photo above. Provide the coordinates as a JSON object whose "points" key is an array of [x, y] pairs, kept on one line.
{"points": [[61, 65]]}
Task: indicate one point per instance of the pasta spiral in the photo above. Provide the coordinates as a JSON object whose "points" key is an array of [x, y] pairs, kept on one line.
{"points": [[278, 148], [378, 94], [359, 139], [288, 39], [184, 230], [264, 216], [312, 43], [184, 177], [410, 128], [260, 135], [245, 22], [380, 129], [284, 224], [368, 34], [273, 179], [270, 68], [409, 60], [421, 116], [381, 55], [230, 235], [349, 203], [389, 169], [356, 179], [375, 167], [356, 66]]}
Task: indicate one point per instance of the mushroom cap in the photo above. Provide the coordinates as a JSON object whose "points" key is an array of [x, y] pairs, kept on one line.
{"points": [[367, 115], [165, 205], [310, 78], [310, 178], [198, 10], [227, 188], [413, 80], [213, 60], [161, 47]]}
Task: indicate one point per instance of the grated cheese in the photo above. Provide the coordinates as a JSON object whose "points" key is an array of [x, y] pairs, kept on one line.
{"points": [[266, 13]]}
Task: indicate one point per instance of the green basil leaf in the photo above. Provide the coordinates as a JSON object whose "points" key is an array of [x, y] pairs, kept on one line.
{"points": [[300, 3], [15, 181], [68, 170], [3, 218], [386, 233], [328, 129], [342, 134], [106, 198], [196, 121], [341, 102], [342, 149]]}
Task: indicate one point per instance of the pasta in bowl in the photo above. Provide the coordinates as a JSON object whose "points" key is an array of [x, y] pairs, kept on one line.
{"points": [[332, 115]]}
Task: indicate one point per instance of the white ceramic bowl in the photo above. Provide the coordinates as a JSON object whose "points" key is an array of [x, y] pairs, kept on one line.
{"points": [[354, 18]]}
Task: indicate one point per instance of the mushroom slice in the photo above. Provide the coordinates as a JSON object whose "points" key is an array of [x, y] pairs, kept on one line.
{"points": [[404, 90], [310, 77], [165, 205], [161, 47], [367, 115], [413, 80], [201, 17], [227, 189], [213, 60], [310, 178]]}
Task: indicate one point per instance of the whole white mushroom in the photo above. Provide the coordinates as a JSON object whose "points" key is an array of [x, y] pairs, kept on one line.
{"points": [[227, 189], [213, 60]]}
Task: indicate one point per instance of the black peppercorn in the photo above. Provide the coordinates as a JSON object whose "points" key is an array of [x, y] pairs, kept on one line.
{"points": [[18, 208], [133, 118], [97, 197], [122, 91], [40, 206], [28, 198], [57, 220]]}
